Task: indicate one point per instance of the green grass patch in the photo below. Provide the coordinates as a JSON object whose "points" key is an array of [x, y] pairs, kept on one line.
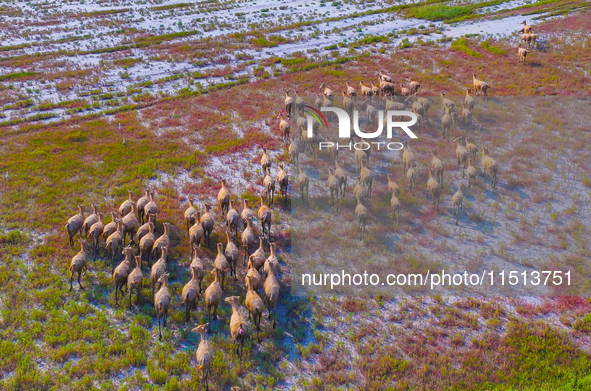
{"points": [[14, 47], [541, 354], [17, 76], [21, 104], [59, 154], [486, 45], [583, 324], [446, 13], [538, 4], [111, 49], [292, 61], [438, 12], [63, 105], [103, 13], [374, 39], [216, 149], [559, 9], [172, 6], [270, 41], [127, 62], [462, 45], [156, 39]]}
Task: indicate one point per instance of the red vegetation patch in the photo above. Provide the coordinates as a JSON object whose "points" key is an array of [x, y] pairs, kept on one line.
{"points": [[572, 302], [579, 22]]}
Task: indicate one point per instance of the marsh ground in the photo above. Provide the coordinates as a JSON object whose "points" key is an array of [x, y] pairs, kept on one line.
{"points": [[183, 137]]}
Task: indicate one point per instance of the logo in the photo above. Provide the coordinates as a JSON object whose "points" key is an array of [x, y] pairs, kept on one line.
{"points": [[316, 114], [345, 126]]}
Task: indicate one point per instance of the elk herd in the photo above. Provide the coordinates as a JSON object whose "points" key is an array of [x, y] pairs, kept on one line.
{"points": [[457, 116], [145, 246], [132, 232]]}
